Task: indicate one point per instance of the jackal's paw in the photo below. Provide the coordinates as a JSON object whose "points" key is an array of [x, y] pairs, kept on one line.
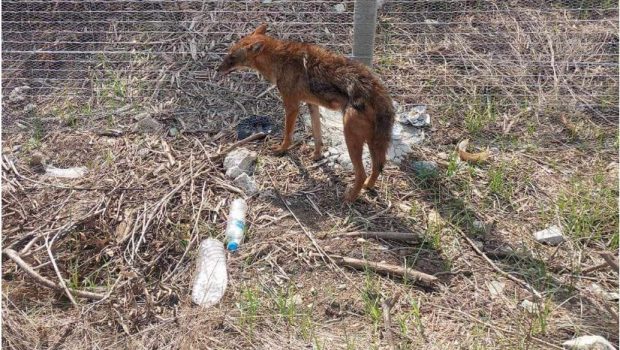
{"points": [[368, 184], [350, 196], [316, 156], [279, 150]]}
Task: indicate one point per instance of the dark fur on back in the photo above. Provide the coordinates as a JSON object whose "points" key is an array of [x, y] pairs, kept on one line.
{"points": [[339, 76]]}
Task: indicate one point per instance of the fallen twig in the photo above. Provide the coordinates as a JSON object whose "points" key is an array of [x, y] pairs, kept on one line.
{"points": [[61, 280], [250, 138], [266, 91], [394, 236], [404, 272], [594, 268], [11, 254], [611, 260], [386, 307]]}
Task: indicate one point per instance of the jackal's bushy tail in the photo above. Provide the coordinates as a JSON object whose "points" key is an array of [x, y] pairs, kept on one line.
{"points": [[384, 121]]}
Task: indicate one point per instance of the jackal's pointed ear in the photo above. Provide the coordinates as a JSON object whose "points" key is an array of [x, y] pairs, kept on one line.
{"points": [[262, 29]]}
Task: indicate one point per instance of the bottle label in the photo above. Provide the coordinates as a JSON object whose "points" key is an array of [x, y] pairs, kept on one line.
{"points": [[239, 224]]}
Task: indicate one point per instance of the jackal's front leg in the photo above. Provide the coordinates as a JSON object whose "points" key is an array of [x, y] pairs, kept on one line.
{"points": [[291, 108]]}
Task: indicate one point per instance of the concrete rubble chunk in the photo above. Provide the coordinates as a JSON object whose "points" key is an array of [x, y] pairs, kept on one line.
{"points": [[242, 159], [551, 235], [246, 183], [69, 173], [233, 172], [588, 342]]}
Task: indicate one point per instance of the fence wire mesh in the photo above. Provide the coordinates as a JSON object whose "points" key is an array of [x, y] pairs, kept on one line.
{"points": [[82, 56]]}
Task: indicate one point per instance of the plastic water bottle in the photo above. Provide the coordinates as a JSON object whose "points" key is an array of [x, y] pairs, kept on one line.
{"points": [[211, 275], [236, 224]]}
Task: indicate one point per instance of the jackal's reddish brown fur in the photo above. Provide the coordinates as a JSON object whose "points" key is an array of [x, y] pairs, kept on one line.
{"points": [[308, 73]]}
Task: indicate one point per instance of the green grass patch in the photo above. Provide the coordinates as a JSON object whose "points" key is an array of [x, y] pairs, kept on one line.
{"points": [[588, 210], [480, 114]]}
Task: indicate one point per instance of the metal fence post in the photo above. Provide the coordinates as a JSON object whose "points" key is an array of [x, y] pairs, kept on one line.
{"points": [[365, 21]]}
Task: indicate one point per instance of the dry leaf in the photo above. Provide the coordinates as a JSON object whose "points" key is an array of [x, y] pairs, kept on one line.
{"points": [[471, 157], [572, 128], [123, 229], [434, 220]]}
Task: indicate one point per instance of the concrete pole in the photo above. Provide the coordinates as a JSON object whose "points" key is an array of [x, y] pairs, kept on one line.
{"points": [[365, 22]]}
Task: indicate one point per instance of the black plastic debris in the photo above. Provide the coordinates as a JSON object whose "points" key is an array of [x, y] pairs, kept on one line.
{"points": [[253, 125]]}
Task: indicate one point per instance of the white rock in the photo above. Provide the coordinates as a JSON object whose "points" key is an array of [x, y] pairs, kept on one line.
{"points": [[551, 235], [233, 172], [143, 152], [478, 225], [17, 95], [588, 342], [345, 161], [241, 158], [340, 8], [246, 183], [529, 306], [29, 108]]}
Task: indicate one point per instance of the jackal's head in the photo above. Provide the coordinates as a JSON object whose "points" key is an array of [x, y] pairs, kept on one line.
{"points": [[243, 53]]}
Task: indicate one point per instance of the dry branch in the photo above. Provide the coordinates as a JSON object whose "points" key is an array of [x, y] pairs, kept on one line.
{"points": [[250, 138], [611, 260], [11, 254], [386, 307], [404, 272]]}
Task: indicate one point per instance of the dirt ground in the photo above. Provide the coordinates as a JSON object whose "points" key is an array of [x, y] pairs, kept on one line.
{"points": [[281, 295], [127, 232]]}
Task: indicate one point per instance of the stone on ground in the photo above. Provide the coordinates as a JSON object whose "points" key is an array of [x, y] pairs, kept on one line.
{"points": [[242, 159], [551, 235]]}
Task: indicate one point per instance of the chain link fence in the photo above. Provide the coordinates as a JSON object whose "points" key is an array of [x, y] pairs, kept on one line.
{"points": [[92, 57]]}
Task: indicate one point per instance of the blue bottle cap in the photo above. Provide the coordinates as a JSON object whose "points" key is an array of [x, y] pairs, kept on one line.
{"points": [[232, 246]]}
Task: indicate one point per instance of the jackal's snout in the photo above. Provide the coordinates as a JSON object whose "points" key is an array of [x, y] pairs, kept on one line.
{"points": [[227, 66]]}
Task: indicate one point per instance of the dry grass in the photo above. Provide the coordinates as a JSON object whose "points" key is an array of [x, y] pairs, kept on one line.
{"points": [[130, 228]]}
